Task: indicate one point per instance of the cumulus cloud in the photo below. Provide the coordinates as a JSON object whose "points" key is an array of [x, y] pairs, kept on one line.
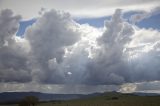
{"points": [[9, 25], [48, 38], [57, 50], [109, 64], [144, 56], [126, 54], [128, 88], [13, 59]]}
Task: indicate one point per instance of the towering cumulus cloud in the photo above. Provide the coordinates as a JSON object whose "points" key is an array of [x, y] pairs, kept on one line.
{"points": [[126, 54], [48, 38], [13, 50], [109, 66]]}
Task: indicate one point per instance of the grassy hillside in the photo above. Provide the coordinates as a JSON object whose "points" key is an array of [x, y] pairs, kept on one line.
{"points": [[109, 99]]}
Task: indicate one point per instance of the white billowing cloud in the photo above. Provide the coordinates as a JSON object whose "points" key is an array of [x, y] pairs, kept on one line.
{"points": [[109, 64], [126, 54], [143, 55], [128, 88], [49, 37], [79, 55], [78, 8]]}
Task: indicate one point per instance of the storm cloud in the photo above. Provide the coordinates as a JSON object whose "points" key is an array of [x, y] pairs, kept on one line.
{"points": [[57, 50]]}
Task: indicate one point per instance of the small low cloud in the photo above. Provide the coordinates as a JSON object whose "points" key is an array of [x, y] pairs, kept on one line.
{"points": [[144, 15]]}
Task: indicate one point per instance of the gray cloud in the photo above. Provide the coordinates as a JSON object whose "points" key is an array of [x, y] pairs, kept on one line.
{"points": [[48, 38], [8, 25], [56, 88], [13, 60], [77, 8], [126, 54], [57, 50], [109, 64]]}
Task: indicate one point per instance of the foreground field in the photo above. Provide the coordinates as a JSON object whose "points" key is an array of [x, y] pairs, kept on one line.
{"points": [[109, 99]]}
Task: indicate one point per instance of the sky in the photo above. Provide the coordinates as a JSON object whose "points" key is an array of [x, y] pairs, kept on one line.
{"points": [[80, 46]]}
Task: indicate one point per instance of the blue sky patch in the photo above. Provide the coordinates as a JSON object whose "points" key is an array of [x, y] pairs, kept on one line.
{"points": [[96, 22], [99, 22], [151, 22], [24, 25]]}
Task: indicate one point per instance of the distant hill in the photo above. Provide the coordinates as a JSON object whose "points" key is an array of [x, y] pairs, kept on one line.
{"points": [[11, 97], [146, 94]]}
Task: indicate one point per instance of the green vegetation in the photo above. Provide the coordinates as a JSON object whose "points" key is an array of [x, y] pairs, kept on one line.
{"points": [[28, 101], [108, 99]]}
